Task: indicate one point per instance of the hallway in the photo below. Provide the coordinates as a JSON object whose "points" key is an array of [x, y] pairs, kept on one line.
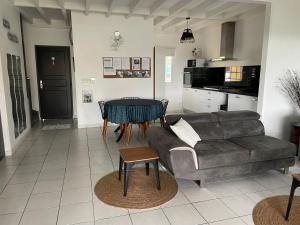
{"points": [[50, 181]]}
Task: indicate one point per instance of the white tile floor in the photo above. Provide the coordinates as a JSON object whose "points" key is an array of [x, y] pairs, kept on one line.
{"points": [[50, 181]]}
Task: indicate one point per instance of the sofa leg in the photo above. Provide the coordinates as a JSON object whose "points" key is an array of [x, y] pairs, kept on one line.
{"points": [[286, 170], [200, 183]]}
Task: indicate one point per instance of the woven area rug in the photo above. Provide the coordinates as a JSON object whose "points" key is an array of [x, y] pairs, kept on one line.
{"points": [[271, 211], [142, 192]]}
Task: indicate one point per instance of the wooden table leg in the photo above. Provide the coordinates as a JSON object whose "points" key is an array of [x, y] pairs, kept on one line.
{"points": [[129, 129]]}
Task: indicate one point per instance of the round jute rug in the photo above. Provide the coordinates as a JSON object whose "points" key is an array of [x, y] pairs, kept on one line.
{"points": [[271, 211], [142, 192]]}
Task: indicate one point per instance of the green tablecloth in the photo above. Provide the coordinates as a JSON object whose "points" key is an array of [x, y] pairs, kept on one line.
{"points": [[121, 111]]}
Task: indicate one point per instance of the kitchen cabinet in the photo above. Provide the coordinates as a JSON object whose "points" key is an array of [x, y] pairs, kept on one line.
{"points": [[241, 102], [198, 100]]}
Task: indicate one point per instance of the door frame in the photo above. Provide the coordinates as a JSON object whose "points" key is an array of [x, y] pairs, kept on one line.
{"points": [[37, 47]]}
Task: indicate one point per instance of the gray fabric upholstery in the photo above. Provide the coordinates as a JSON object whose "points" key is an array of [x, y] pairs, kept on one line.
{"points": [[218, 153], [236, 115], [242, 128], [233, 143], [205, 124], [266, 148]]}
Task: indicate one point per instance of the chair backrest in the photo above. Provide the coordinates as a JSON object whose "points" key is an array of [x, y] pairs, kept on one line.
{"points": [[101, 105], [130, 98], [164, 102]]}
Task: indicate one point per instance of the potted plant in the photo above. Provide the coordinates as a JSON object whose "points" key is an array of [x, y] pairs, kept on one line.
{"points": [[290, 84]]}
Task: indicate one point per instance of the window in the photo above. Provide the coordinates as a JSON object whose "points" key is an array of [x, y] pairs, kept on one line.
{"points": [[168, 69], [233, 74]]}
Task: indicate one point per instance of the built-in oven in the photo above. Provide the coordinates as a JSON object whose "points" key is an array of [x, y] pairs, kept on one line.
{"points": [[188, 77]]}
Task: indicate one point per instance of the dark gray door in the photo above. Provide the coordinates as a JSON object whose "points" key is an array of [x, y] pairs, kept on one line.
{"points": [[54, 81]]}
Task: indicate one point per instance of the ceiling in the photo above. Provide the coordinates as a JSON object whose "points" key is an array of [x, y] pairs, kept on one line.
{"points": [[168, 15]]}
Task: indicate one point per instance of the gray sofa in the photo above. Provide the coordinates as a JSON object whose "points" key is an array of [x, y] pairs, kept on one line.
{"points": [[233, 143]]}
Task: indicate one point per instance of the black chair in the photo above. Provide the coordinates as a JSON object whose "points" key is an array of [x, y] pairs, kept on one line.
{"points": [[165, 103], [104, 117]]}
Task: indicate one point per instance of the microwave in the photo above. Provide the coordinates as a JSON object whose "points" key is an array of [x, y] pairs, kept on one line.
{"points": [[195, 62]]}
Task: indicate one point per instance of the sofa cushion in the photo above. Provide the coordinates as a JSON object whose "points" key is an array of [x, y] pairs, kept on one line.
{"points": [[220, 153], [266, 148], [240, 124], [185, 132], [205, 124]]}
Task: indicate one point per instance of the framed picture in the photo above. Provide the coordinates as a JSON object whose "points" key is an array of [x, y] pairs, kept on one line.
{"points": [[135, 63]]}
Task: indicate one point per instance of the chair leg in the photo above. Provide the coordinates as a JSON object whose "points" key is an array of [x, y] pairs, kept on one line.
{"points": [[129, 130], [294, 186], [156, 170], [161, 121], [147, 169], [104, 129], [120, 167]]}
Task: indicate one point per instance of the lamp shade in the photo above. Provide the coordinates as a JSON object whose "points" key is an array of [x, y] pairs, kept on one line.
{"points": [[187, 36]]}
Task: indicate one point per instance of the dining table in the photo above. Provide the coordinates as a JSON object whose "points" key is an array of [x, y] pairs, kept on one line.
{"points": [[132, 111]]}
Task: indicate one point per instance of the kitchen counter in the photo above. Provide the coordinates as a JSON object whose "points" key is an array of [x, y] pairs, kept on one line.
{"points": [[238, 91]]}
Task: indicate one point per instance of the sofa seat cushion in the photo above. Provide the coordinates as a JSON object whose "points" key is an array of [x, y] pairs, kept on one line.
{"points": [[266, 148], [216, 153]]}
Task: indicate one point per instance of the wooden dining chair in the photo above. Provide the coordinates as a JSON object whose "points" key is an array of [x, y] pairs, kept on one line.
{"points": [[104, 129], [165, 103]]}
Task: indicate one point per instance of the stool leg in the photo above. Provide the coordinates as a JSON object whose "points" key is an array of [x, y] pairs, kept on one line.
{"points": [[125, 179], [156, 169], [120, 167], [291, 199], [147, 169]]}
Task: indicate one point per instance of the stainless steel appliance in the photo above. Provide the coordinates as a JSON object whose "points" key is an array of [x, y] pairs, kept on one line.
{"points": [[195, 62], [187, 79]]}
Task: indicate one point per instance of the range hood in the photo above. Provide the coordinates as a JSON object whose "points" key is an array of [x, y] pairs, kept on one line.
{"points": [[227, 42]]}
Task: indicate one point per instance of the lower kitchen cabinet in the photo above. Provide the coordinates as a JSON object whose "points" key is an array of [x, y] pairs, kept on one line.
{"points": [[198, 100], [241, 102]]}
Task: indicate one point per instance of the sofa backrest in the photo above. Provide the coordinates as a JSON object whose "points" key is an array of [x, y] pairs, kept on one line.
{"points": [[240, 123], [221, 125], [205, 124]]}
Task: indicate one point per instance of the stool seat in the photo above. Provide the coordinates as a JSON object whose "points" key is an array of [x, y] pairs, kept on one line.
{"points": [[138, 154], [296, 176], [130, 156]]}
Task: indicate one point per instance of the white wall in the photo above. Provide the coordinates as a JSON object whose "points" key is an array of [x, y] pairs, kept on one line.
{"points": [[249, 32], [8, 11], [49, 35], [92, 40], [281, 52]]}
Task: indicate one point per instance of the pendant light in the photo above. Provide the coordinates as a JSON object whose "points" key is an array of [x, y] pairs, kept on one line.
{"points": [[187, 35]]}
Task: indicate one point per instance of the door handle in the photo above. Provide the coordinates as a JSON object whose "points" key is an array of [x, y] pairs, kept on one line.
{"points": [[41, 85]]}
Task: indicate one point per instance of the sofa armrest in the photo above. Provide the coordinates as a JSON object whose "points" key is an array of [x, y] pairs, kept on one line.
{"points": [[173, 152]]}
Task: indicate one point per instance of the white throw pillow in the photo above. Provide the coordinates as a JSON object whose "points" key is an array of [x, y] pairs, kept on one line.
{"points": [[186, 132]]}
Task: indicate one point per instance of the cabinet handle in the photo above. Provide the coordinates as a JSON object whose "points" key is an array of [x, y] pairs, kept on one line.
{"points": [[237, 97], [209, 99], [209, 92], [254, 99]]}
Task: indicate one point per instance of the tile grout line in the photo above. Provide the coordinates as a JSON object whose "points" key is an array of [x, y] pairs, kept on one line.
{"points": [[91, 181], [62, 187], [36, 180]]}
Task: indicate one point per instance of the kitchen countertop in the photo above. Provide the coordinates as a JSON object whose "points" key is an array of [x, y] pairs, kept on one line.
{"points": [[238, 91]]}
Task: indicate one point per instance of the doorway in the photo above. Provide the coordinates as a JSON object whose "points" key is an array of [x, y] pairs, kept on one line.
{"points": [[54, 82]]}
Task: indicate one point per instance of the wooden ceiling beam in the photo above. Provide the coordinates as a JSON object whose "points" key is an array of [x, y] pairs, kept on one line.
{"points": [[110, 7], [42, 12], [132, 7]]}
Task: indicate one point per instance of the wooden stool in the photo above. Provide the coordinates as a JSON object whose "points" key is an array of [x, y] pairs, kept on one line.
{"points": [[130, 156], [295, 184]]}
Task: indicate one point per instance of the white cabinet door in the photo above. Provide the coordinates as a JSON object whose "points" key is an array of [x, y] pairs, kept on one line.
{"points": [[187, 98], [241, 102]]}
